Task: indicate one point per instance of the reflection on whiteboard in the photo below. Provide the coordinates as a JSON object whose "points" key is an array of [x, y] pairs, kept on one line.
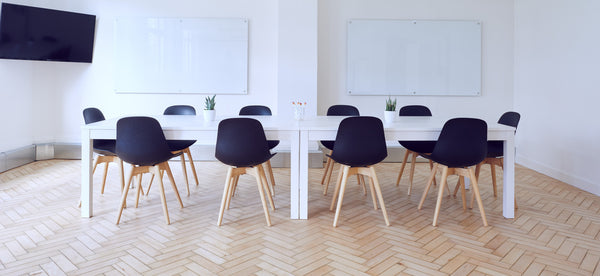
{"points": [[402, 57], [181, 55]]}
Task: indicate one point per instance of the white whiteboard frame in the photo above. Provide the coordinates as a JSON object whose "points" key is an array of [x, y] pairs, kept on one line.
{"points": [[413, 57], [181, 55]]}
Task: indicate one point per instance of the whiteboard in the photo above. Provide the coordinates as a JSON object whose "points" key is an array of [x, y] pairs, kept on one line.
{"points": [[413, 57], [181, 55]]}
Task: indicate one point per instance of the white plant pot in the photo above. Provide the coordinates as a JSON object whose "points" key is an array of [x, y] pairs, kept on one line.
{"points": [[389, 116], [209, 115]]}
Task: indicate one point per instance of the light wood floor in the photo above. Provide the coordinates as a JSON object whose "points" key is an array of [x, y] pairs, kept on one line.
{"points": [[555, 232]]}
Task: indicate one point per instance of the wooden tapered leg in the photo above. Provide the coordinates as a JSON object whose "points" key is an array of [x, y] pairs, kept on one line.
{"points": [[493, 169], [429, 182], [104, 176], [163, 198], [438, 204], [165, 167], [361, 182], [230, 186], [373, 195], [139, 188], [478, 196], [375, 182], [122, 172], [327, 172], [262, 194], [330, 171], [124, 197], [187, 183], [226, 192], [193, 167], [338, 183], [463, 193], [402, 167], [341, 194], [263, 178], [271, 176], [413, 161]]}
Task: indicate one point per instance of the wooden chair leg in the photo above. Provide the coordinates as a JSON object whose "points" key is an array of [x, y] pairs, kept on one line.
{"points": [[139, 188], [124, 197], [122, 172], [263, 178], [329, 172], [262, 196], [193, 167], [373, 195], [429, 182], [187, 183], [438, 204], [104, 176], [163, 198], [477, 196], [493, 171], [463, 192], [341, 194], [167, 168], [226, 192], [326, 171], [338, 183], [361, 182], [271, 176], [402, 167], [375, 182], [412, 170]]}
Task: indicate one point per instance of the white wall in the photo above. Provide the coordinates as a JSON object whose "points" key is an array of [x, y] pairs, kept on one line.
{"points": [[48, 97], [556, 89], [497, 53]]}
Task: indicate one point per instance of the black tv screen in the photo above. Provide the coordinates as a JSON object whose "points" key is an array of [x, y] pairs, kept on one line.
{"points": [[33, 33]]}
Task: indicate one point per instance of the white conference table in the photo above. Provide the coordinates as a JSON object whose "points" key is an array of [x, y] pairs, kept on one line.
{"points": [[298, 134]]}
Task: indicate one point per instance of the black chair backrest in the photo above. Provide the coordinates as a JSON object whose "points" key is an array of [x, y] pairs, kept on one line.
{"points": [[180, 110], [510, 118], [414, 110], [256, 110], [462, 143], [342, 110], [241, 142], [141, 141], [92, 115], [359, 142]]}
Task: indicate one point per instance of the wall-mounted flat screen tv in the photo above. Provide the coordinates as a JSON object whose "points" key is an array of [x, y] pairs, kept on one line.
{"points": [[33, 33]]}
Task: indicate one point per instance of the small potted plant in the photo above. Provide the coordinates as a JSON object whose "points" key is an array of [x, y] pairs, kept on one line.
{"points": [[390, 110], [209, 108]]}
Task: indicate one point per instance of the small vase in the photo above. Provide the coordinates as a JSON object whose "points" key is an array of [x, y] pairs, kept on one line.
{"points": [[389, 116], [299, 113], [209, 115]]}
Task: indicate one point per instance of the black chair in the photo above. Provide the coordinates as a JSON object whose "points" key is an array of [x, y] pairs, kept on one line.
{"points": [[104, 148], [495, 153], [414, 148], [141, 142], [335, 110], [359, 144], [241, 144], [261, 110], [462, 143], [183, 146]]}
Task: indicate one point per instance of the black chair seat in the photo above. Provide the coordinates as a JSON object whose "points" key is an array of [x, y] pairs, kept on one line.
{"points": [[418, 146], [177, 145], [272, 143], [495, 149], [151, 150]]}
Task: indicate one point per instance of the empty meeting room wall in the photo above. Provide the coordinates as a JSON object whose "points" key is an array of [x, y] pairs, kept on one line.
{"points": [[496, 17], [556, 86], [43, 101]]}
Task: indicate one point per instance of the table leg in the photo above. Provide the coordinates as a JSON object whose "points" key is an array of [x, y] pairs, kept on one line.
{"points": [[303, 185], [508, 197], [295, 176], [87, 192]]}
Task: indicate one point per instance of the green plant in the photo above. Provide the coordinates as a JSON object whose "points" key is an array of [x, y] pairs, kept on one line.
{"points": [[209, 103], [390, 105]]}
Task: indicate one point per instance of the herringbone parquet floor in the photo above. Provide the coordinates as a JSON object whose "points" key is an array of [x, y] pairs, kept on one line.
{"points": [[555, 232]]}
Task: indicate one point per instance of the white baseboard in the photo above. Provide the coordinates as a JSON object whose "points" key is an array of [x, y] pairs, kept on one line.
{"points": [[568, 178]]}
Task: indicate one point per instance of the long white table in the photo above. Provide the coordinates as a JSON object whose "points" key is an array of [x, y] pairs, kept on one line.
{"points": [[298, 134]]}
